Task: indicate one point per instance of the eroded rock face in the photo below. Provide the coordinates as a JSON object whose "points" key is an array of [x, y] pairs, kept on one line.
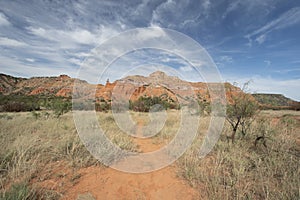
{"points": [[156, 84]]}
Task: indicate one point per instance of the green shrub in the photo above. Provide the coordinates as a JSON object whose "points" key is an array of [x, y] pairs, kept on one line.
{"points": [[18, 103], [60, 106], [144, 104]]}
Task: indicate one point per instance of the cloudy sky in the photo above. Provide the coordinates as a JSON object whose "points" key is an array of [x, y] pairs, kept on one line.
{"points": [[247, 39]]}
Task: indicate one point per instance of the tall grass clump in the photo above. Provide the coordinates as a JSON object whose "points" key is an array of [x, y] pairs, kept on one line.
{"points": [[248, 169], [30, 143]]}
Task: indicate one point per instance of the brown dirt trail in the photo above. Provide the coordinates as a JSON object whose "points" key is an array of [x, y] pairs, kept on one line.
{"points": [[107, 183], [111, 184]]}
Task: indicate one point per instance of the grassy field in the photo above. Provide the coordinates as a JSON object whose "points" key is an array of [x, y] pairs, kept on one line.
{"points": [[244, 170], [31, 143]]}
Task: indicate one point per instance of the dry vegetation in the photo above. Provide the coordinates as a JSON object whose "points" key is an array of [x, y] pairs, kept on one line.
{"points": [[245, 170], [33, 144]]}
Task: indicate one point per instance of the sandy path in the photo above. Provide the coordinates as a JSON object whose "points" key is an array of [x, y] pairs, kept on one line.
{"points": [[111, 184], [107, 183]]}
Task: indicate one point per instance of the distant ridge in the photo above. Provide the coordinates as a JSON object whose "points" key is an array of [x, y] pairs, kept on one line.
{"points": [[156, 84], [274, 100]]}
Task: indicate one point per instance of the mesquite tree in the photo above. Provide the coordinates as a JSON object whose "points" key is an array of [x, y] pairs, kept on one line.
{"points": [[241, 109]]}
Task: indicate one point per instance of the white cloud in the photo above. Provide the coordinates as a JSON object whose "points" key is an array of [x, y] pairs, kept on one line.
{"points": [[289, 18], [186, 68], [30, 60], [181, 14], [155, 32], [206, 4], [75, 61], [261, 39], [83, 37], [77, 36], [3, 20], [227, 59], [4, 41], [79, 54], [231, 7], [72, 38]]}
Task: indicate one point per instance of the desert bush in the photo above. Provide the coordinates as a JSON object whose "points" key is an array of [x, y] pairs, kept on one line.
{"points": [[103, 106], [100, 106], [144, 104], [60, 107], [18, 107], [18, 103], [246, 171], [241, 110], [23, 103], [84, 105]]}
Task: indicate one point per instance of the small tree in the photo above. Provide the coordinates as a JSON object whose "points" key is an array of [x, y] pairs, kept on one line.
{"points": [[241, 110], [61, 107]]}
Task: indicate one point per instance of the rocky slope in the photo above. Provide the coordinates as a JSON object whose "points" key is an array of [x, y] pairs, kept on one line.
{"points": [[276, 101], [57, 86], [157, 84], [273, 99]]}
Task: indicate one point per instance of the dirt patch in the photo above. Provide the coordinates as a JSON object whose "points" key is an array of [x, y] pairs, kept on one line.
{"points": [[56, 176], [107, 183], [111, 184], [98, 182], [145, 144]]}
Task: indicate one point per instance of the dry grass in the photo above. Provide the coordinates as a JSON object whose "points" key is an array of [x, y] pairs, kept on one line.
{"points": [[113, 132], [245, 171], [29, 142]]}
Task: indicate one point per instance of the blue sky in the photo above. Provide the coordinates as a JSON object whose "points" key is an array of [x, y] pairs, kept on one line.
{"points": [[247, 39]]}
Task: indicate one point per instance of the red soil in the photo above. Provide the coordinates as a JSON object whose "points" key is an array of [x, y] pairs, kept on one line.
{"points": [[111, 184], [106, 183]]}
